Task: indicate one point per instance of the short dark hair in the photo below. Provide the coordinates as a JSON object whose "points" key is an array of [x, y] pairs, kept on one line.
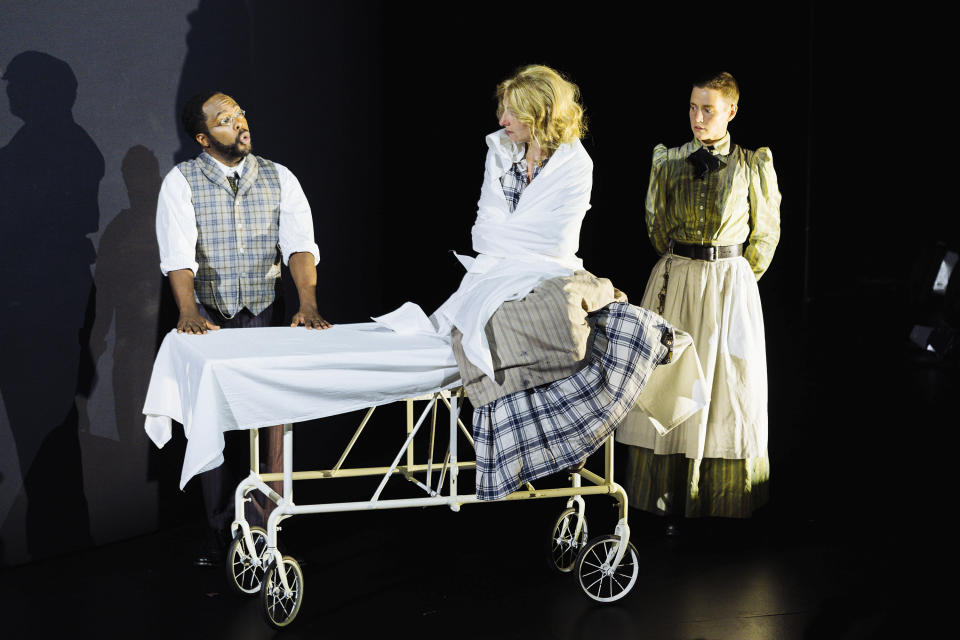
{"points": [[192, 117], [722, 82]]}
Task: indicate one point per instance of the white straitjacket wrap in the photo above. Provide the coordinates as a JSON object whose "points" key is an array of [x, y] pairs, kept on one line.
{"points": [[518, 250]]}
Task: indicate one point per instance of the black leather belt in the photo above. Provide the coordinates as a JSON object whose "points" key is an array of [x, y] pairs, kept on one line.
{"points": [[707, 252]]}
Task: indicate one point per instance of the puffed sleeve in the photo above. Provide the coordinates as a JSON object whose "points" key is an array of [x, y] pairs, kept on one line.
{"points": [[657, 201], [764, 197]]}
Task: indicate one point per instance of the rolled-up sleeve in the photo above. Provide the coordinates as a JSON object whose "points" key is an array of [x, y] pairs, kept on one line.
{"points": [[764, 196], [176, 225], [296, 220]]}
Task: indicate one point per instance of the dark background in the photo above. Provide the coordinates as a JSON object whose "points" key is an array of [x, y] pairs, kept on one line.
{"points": [[381, 109]]}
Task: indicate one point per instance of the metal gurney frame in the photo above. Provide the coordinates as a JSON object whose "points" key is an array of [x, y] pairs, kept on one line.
{"points": [[606, 567]]}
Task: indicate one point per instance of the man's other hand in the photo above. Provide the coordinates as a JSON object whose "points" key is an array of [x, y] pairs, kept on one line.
{"points": [[310, 318], [194, 324]]}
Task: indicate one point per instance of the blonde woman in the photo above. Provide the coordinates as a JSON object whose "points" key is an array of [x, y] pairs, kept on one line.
{"points": [[551, 356]]}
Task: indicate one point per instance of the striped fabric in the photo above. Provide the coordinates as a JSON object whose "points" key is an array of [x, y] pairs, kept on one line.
{"points": [[539, 339], [537, 432], [515, 181], [237, 235], [738, 203], [677, 485]]}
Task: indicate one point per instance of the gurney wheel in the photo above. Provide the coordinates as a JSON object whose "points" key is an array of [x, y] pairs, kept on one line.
{"points": [[563, 547], [243, 576], [597, 579], [279, 606]]}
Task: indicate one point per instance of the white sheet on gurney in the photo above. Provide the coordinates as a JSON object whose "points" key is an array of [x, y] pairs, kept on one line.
{"points": [[248, 378]]}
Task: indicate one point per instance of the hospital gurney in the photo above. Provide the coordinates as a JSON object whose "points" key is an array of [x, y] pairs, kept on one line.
{"points": [[250, 378]]}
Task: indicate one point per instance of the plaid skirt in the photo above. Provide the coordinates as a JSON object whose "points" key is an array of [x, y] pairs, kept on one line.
{"points": [[536, 432]]}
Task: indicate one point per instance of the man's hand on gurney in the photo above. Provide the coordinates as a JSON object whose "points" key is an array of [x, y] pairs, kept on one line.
{"points": [[304, 271], [194, 324], [309, 317], [181, 283]]}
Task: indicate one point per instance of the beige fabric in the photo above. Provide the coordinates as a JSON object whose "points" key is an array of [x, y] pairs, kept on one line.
{"points": [[718, 304], [538, 339], [673, 394]]}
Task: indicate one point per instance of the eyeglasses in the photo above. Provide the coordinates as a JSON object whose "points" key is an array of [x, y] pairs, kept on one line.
{"points": [[227, 121]]}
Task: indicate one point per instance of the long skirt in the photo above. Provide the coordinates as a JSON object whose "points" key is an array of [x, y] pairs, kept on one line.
{"points": [[535, 432], [715, 463]]}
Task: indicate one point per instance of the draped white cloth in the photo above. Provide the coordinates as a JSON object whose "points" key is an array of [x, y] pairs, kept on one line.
{"points": [[248, 378], [518, 250]]}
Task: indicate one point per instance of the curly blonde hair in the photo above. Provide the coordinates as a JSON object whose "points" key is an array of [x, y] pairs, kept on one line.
{"points": [[546, 102]]}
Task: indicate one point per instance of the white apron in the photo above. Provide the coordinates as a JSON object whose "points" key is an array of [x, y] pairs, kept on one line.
{"points": [[717, 303]]}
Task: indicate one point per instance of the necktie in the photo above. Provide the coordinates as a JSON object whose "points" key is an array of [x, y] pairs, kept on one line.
{"points": [[703, 162], [234, 181]]}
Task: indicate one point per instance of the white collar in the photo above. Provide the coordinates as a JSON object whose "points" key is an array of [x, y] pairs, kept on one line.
{"points": [[720, 148], [229, 171]]}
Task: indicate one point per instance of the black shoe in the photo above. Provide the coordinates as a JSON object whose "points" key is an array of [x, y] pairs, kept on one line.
{"points": [[674, 527], [207, 558], [213, 552]]}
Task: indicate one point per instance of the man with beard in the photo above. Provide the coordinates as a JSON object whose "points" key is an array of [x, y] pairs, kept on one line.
{"points": [[224, 221]]}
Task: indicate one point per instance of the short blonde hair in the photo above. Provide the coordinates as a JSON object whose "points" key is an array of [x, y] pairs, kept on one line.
{"points": [[722, 82], [546, 102]]}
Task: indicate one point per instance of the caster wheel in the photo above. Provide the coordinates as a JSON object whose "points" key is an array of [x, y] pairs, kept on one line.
{"points": [[281, 606], [243, 575], [598, 579], [564, 547]]}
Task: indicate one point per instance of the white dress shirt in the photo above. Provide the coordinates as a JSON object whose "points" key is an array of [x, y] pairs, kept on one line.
{"points": [[177, 222]]}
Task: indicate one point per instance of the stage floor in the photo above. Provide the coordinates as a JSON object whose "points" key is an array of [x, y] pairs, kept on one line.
{"points": [[431, 572], [856, 521]]}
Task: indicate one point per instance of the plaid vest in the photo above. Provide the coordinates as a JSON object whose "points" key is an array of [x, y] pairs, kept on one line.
{"points": [[237, 237]]}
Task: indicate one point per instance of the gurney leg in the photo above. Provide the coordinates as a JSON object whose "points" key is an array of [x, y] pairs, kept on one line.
{"points": [[580, 506], [245, 486], [283, 502], [288, 463], [433, 432], [622, 529], [254, 450], [409, 430], [454, 505]]}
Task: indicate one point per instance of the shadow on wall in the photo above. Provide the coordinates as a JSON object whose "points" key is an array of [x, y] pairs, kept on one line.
{"points": [[128, 285], [218, 58], [122, 344], [50, 174]]}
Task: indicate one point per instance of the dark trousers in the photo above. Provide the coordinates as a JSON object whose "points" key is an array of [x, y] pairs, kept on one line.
{"points": [[218, 484]]}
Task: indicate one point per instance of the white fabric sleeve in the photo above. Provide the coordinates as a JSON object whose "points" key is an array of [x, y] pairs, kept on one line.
{"points": [[296, 221], [176, 225]]}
